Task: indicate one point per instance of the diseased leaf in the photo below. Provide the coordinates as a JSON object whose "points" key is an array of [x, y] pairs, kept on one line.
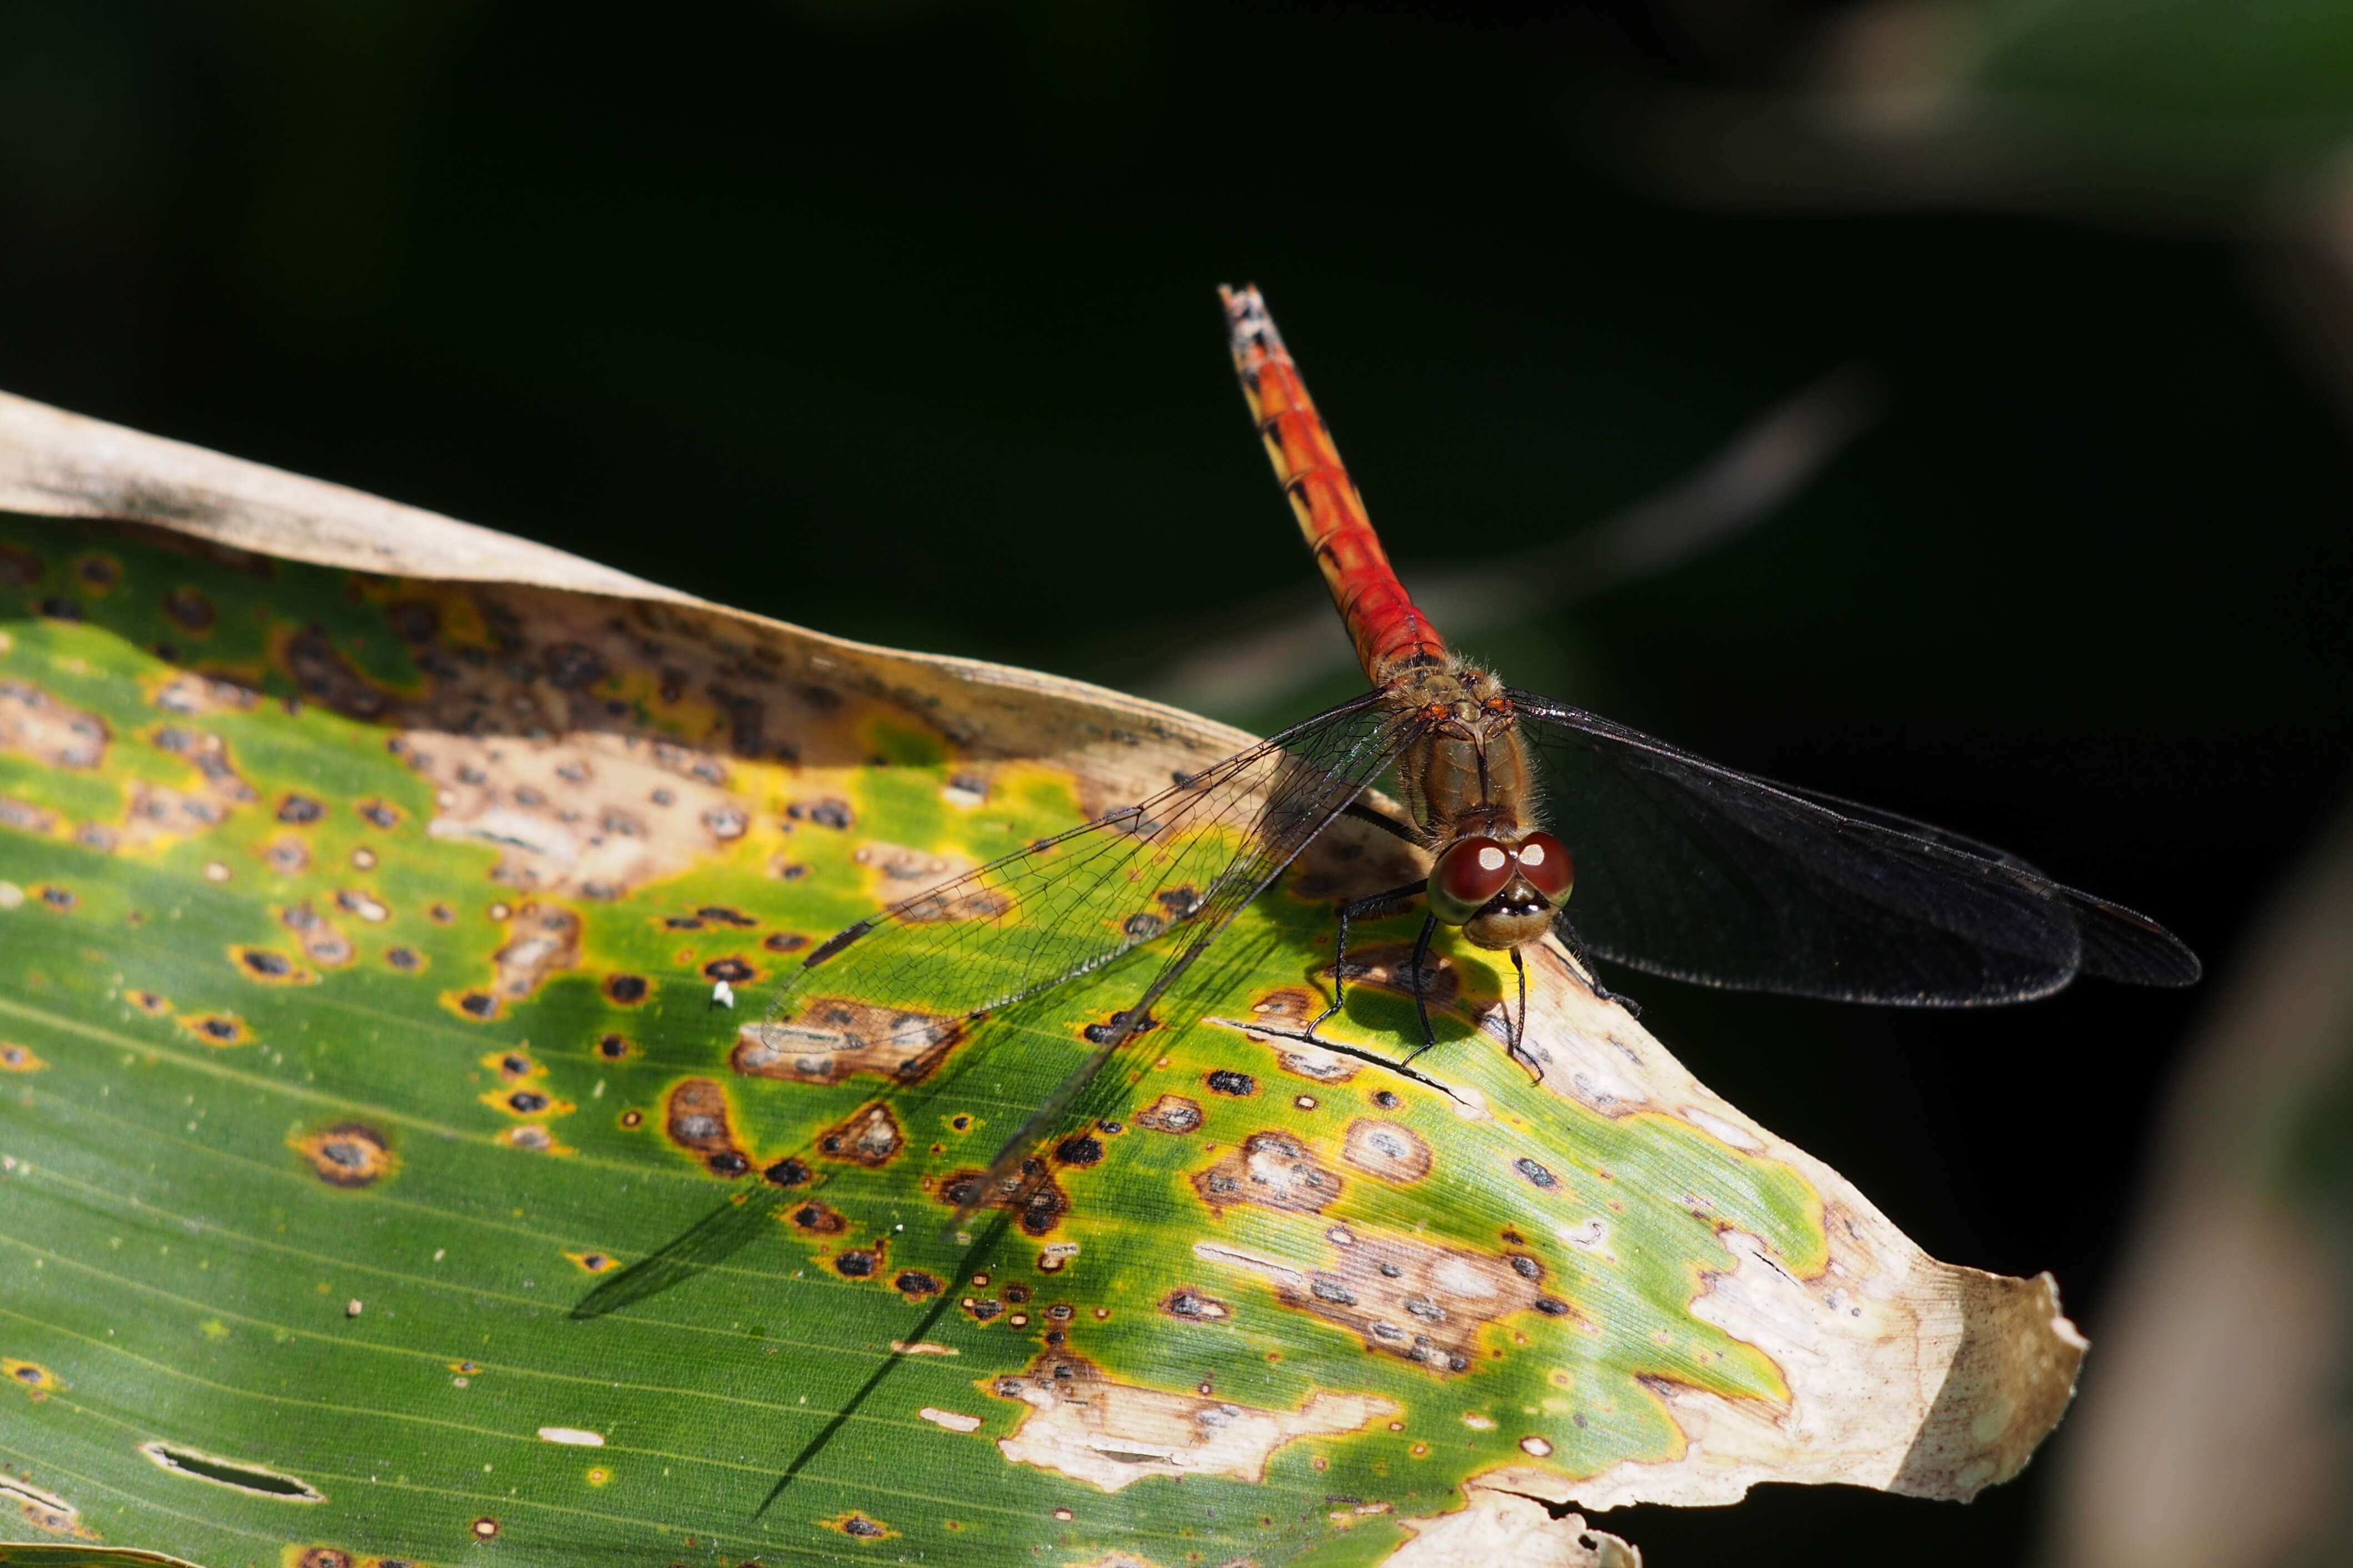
{"points": [[382, 939]]}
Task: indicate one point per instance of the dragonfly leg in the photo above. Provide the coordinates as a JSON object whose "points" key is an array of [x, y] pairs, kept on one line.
{"points": [[1567, 934], [1372, 906], [1386, 822], [1518, 1046], [1421, 994]]}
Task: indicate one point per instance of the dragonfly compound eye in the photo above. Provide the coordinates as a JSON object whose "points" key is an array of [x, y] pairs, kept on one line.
{"points": [[1545, 861], [1471, 872]]}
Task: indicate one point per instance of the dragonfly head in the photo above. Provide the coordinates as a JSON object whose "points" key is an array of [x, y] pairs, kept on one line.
{"points": [[1502, 892]]}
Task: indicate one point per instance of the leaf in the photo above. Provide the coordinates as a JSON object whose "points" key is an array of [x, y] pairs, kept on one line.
{"points": [[366, 883]]}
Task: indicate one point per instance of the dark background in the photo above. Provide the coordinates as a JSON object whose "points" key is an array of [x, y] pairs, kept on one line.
{"points": [[895, 319]]}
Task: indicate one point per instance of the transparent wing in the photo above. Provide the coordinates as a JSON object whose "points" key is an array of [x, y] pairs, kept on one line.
{"points": [[2119, 943], [909, 974], [1187, 861], [1694, 872]]}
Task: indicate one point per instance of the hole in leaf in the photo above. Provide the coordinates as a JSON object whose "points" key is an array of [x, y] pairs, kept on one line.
{"points": [[230, 1473]]}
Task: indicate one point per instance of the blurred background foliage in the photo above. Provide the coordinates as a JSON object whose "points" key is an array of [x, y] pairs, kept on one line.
{"points": [[894, 318]]}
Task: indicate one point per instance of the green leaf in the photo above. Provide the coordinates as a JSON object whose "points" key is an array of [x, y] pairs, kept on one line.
{"points": [[359, 932]]}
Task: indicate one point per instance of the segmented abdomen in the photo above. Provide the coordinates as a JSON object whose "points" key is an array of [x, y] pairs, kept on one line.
{"points": [[1389, 633]]}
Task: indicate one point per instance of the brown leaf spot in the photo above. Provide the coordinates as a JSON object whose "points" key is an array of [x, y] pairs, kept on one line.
{"points": [[322, 673], [1171, 1114], [45, 1511], [15, 1057], [414, 620], [816, 1219], [1271, 1170], [54, 734], [697, 1118], [480, 1006], [832, 1037], [352, 901], [38, 1381], [1081, 1424], [1194, 1306], [1287, 1008], [350, 1154], [527, 1100], [147, 1002], [914, 1284], [868, 1137], [828, 812], [217, 1029], [189, 693], [1030, 1193], [325, 1557], [322, 942], [1386, 1149], [595, 1262], [157, 815], [1420, 1303], [189, 610], [566, 815], [906, 878], [24, 816], [297, 810], [731, 969], [1317, 1066], [1080, 1149], [858, 1526], [269, 968], [627, 990], [544, 938], [286, 855]]}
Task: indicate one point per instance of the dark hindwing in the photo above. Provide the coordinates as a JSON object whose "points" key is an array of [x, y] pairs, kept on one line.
{"points": [[2119, 943], [1692, 870], [1065, 906]]}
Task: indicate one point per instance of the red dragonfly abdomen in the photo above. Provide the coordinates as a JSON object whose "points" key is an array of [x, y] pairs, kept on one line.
{"points": [[1389, 633]]}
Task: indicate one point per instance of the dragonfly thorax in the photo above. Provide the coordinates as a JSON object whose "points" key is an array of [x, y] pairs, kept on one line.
{"points": [[1466, 770]]}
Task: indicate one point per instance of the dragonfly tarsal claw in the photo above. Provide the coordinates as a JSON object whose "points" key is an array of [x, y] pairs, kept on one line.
{"points": [[1585, 972], [1534, 1067]]}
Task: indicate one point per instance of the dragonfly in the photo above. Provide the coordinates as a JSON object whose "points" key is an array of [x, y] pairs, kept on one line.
{"points": [[1680, 867], [1685, 868]]}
